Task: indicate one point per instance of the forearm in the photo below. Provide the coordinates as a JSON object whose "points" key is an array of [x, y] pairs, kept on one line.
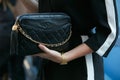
{"points": [[77, 52]]}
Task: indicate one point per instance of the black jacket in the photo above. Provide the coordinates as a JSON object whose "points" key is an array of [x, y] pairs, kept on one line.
{"points": [[86, 15], [96, 19]]}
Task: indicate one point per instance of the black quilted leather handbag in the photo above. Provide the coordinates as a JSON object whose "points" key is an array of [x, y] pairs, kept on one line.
{"points": [[51, 29]]}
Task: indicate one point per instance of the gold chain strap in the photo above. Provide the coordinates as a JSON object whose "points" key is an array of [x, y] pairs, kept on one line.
{"points": [[17, 27]]}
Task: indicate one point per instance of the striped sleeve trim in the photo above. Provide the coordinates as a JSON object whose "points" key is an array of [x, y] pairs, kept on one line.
{"points": [[110, 9], [89, 62]]}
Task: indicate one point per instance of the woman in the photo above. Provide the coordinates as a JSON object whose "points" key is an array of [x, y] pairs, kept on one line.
{"points": [[84, 62]]}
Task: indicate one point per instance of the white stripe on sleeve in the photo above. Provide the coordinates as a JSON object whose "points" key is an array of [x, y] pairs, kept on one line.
{"points": [[112, 23]]}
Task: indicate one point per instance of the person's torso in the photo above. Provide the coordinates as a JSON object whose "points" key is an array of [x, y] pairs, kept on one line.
{"points": [[80, 12]]}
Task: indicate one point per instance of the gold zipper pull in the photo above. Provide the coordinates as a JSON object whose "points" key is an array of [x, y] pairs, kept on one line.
{"points": [[14, 28], [16, 24]]}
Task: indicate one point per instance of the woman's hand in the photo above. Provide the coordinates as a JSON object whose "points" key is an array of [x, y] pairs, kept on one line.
{"points": [[49, 54]]}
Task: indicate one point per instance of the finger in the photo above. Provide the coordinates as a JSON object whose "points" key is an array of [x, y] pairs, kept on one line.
{"points": [[44, 48], [42, 55], [37, 54]]}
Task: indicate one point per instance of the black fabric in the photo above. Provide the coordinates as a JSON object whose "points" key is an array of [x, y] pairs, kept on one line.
{"points": [[98, 66], [44, 8], [74, 70], [16, 68], [74, 9], [86, 15]]}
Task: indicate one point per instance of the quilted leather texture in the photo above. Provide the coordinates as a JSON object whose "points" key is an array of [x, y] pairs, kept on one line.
{"points": [[49, 28]]}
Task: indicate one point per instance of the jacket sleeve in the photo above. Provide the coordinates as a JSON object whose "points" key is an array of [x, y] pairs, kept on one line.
{"points": [[106, 33]]}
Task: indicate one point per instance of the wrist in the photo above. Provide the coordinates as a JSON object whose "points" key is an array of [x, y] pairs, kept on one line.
{"points": [[64, 60]]}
